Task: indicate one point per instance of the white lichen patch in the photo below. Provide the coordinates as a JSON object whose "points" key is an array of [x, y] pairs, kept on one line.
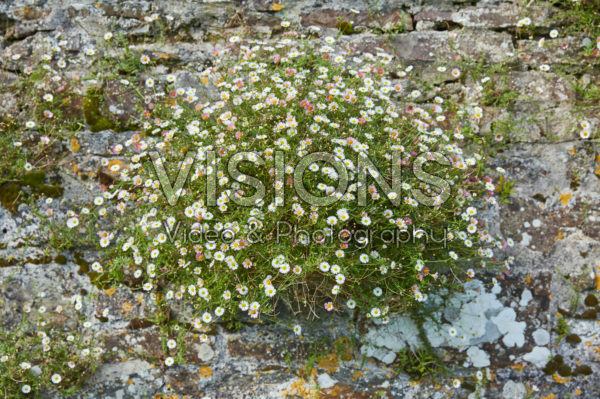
{"points": [[477, 316]]}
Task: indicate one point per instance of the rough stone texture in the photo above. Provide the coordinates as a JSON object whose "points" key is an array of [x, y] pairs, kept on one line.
{"points": [[553, 215], [514, 390], [496, 16]]}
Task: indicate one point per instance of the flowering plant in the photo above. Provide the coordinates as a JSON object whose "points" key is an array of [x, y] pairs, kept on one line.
{"points": [[279, 187]]}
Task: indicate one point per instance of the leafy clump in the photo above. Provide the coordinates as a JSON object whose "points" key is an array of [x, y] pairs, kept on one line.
{"points": [[39, 352], [310, 178], [91, 110]]}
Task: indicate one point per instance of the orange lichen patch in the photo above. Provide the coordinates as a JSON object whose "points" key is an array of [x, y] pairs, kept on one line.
{"points": [[517, 366], [329, 363], [578, 392], [205, 372], [344, 348], [126, 307], [561, 380], [75, 145], [572, 151], [559, 236], [565, 197], [414, 383], [299, 388], [110, 291], [343, 391], [115, 165], [527, 279], [550, 396], [204, 80], [277, 7], [356, 375]]}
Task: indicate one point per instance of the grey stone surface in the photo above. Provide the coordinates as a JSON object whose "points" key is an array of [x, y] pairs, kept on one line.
{"points": [[541, 337], [538, 356], [478, 357], [553, 214], [514, 390]]}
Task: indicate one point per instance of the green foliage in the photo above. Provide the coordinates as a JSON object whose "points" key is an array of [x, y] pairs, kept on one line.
{"points": [[345, 27], [582, 17], [587, 95], [562, 329], [418, 363], [505, 189], [91, 109], [38, 354]]}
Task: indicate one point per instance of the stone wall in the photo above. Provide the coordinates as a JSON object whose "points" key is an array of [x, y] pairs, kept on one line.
{"points": [[553, 214]]}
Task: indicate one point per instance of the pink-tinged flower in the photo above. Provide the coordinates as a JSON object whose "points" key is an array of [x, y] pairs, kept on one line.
{"points": [[173, 93], [205, 115], [239, 135], [329, 306], [277, 58], [199, 256], [116, 149]]}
